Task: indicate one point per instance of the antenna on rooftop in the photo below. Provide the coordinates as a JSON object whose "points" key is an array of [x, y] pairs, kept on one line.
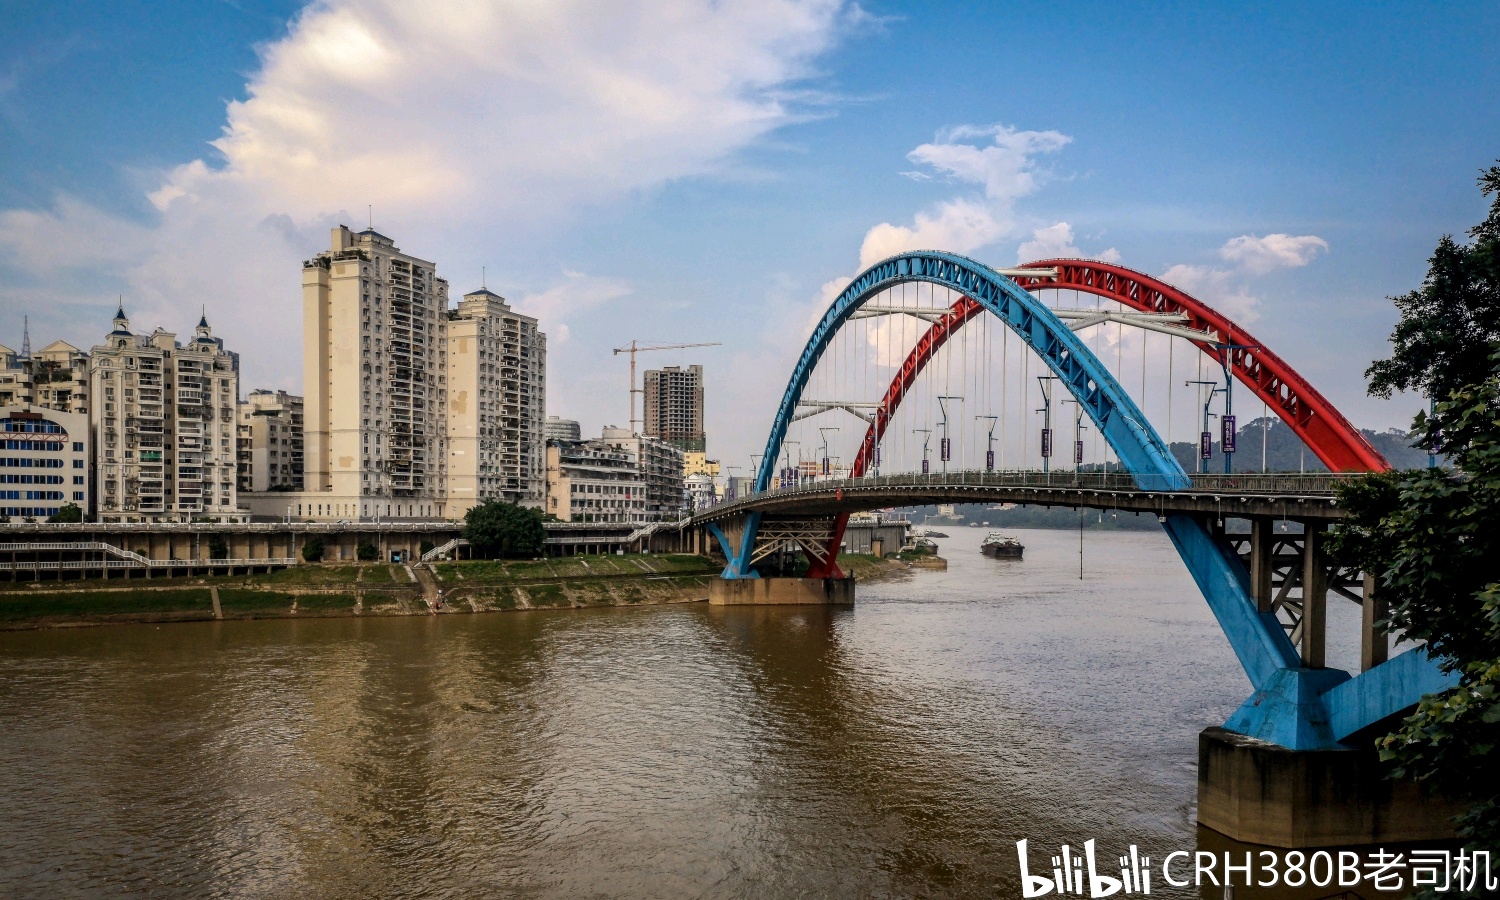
{"points": [[482, 285], [371, 210], [26, 337]]}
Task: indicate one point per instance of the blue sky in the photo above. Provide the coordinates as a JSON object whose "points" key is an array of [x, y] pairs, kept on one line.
{"points": [[755, 149]]}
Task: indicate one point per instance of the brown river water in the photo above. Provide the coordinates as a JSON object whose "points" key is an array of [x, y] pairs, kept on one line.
{"points": [[896, 749]]}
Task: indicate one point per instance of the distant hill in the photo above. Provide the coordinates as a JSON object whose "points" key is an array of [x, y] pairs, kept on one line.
{"points": [[1285, 452]]}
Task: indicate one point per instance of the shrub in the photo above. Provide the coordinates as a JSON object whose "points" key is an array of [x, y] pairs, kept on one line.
{"points": [[312, 550], [366, 552]]}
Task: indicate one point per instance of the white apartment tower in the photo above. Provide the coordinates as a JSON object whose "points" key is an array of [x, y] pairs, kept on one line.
{"points": [[163, 422], [497, 365], [375, 331]]}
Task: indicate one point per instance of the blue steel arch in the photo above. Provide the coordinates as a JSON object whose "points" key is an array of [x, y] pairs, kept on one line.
{"points": [[1292, 706], [1140, 449]]}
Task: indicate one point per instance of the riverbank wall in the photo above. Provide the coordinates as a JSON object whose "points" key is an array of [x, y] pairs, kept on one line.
{"points": [[382, 589]]}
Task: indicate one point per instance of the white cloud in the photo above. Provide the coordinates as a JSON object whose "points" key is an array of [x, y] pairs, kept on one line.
{"points": [[1005, 167], [577, 293], [999, 159], [1221, 290], [1056, 242], [1227, 290], [1260, 255], [958, 226], [458, 123]]}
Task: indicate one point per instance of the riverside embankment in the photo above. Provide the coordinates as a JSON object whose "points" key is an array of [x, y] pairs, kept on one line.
{"points": [[380, 589]]}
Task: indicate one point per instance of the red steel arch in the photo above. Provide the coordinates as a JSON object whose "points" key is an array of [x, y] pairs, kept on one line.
{"points": [[1321, 427], [1331, 437]]}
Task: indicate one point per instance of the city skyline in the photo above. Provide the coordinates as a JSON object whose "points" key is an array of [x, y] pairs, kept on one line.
{"points": [[1294, 195]]}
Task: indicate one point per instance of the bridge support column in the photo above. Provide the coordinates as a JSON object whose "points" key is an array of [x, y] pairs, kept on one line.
{"points": [[1314, 596], [1374, 647], [781, 592], [1262, 548], [1260, 793]]}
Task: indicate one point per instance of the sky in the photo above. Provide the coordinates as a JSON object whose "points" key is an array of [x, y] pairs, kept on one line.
{"points": [[678, 171]]}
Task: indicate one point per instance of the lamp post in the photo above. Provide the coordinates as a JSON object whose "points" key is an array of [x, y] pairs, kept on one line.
{"points": [[1206, 438], [1046, 384]]}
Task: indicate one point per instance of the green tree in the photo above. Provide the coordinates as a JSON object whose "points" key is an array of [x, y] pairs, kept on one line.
{"points": [[218, 548], [1450, 325], [1431, 537], [68, 512], [494, 528], [312, 550], [366, 551]]}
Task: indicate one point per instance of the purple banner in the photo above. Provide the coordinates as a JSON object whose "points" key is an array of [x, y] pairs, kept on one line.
{"points": [[1046, 442], [924, 467], [1206, 445], [1078, 453], [945, 449], [826, 469], [989, 460], [1227, 440]]}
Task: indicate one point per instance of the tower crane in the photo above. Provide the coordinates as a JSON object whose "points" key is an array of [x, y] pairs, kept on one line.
{"points": [[635, 348]]}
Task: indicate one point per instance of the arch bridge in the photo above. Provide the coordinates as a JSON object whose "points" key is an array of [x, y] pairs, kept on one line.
{"points": [[931, 344]]}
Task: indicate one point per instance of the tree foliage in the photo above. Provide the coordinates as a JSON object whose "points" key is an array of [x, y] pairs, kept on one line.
{"points": [[494, 528], [366, 551], [1431, 538], [218, 548], [312, 550], [1449, 326], [68, 512]]}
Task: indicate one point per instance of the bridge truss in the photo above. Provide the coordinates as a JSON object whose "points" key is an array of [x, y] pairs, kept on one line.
{"points": [[1270, 606]]}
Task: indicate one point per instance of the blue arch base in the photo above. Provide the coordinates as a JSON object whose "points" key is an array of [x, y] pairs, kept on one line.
{"points": [[1295, 707]]}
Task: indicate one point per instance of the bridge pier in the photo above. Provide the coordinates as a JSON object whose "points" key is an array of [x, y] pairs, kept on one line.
{"points": [[781, 592], [1261, 793]]}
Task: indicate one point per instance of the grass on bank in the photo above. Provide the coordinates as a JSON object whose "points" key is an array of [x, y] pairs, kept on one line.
{"points": [[192, 603], [495, 571]]}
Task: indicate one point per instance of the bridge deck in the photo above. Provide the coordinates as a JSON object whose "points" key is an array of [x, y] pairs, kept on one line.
{"points": [[1292, 496]]}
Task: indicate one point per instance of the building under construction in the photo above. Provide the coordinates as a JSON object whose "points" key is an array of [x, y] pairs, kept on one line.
{"points": [[674, 406]]}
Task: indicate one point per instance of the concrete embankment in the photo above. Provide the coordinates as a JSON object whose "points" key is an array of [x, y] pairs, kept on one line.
{"points": [[380, 589]]}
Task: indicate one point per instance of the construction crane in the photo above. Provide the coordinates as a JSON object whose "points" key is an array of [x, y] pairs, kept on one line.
{"points": [[635, 348]]}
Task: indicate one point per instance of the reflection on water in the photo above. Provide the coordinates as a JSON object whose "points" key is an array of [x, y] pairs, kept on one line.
{"points": [[897, 749]]}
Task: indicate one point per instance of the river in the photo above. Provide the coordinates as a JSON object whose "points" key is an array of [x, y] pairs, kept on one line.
{"points": [[897, 749]]}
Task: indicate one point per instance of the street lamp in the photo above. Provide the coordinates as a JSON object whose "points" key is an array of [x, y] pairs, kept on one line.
{"points": [[1046, 411], [1206, 438]]}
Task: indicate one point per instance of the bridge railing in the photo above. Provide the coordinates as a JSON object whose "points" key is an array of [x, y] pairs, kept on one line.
{"points": [[1318, 484]]}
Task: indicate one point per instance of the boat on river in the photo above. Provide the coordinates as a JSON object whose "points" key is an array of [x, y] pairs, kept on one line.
{"points": [[1001, 546]]}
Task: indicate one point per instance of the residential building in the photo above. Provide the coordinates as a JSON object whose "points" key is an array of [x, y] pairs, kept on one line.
{"points": [[55, 378], [660, 467], [163, 421], [496, 386], [557, 429], [269, 442], [44, 458], [701, 491], [374, 344], [674, 406], [594, 481]]}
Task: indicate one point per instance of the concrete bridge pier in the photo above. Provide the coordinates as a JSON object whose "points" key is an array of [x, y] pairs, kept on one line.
{"points": [[781, 592]]}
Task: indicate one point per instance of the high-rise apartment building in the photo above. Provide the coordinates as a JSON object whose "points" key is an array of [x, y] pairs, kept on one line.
{"points": [[163, 420], [375, 331], [269, 439], [497, 381], [674, 406]]}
